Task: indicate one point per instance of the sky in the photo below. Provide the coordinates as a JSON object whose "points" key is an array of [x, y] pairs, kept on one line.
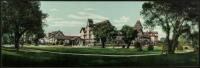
{"points": [[70, 16]]}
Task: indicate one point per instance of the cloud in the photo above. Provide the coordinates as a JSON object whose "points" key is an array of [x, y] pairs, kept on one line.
{"points": [[89, 9], [76, 17], [96, 16], [66, 23], [73, 21], [123, 19], [52, 19], [53, 10], [83, 15]]}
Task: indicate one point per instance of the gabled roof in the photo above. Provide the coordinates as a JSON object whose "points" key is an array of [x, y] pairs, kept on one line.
{"points": [[55, 34], [138, 24], [82, 29]]}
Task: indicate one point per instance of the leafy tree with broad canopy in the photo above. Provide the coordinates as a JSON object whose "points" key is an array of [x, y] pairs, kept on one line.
{"points": [[104, 31], [173, 16], [21, 16], [129, 34]]}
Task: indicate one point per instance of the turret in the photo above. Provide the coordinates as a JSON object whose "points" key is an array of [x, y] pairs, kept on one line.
{"points": [[90, 23]]}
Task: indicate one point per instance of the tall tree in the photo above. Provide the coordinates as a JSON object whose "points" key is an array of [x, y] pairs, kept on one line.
{"points": [[193, 38], [22, 16], [1, 31], [104, 31], [170, 16], [153, 18], [129, 35]]}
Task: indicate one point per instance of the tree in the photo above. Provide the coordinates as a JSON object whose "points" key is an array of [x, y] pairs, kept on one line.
{"points": [[22, 16], [152, 18], [182, 42], [104, 31], [1, 32], [129, 35], [195, 41], [193, 38], [38, 34], [170, 16]]}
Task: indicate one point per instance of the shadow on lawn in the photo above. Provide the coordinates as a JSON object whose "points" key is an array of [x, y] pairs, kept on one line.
{"points": [[40, 59]]}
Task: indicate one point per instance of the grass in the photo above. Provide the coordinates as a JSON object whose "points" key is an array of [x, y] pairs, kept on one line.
{"points": [[105, 51], [22, 58]]}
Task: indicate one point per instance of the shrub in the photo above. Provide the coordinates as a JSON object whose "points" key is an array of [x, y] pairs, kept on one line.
{"points": [[150, 47], [186, 48], [138, 46], [180, 47]]}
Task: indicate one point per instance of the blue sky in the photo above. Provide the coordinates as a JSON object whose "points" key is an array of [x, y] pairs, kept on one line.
{"points": [[69, 16]]}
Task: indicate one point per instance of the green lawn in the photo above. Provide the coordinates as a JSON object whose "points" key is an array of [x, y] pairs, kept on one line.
{"points": [[106, 51], [23, 58]]}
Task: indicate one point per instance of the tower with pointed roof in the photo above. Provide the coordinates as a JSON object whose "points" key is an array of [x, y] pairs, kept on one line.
{"points": [[138, 26], [90, 23], [142, 36]]}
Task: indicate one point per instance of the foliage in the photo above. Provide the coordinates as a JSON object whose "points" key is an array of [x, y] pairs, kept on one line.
{"points": [[150, 47], [129, 34], [192, 38], [138, 46], [172, 16], [182, 42], [104, 31], [19, 16]]}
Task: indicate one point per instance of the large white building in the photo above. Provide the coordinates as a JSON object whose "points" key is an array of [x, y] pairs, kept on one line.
{"points": [[149, 37], [86, 33], [87, 37]]}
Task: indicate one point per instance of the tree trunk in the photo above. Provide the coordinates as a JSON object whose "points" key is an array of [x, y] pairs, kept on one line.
{"points": [[103, 40], [17, 42], [128, 45], [103, 44], [22, 44], [174, 43], [1, 32], [36, 43], [123, 46], [17, 36], [168, 45]]}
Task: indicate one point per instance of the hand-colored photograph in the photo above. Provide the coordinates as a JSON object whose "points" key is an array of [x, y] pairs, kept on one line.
{"points": [[99, 33]]}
